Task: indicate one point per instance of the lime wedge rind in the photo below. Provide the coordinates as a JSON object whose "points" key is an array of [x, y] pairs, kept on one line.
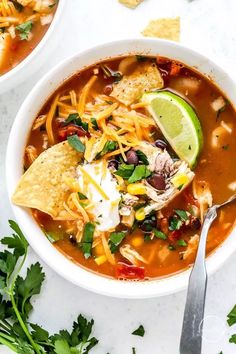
{"points": [[178, 123]]}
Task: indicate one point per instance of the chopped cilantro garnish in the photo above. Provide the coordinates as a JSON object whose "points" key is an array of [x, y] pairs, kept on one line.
{"points": [[133, 351], [94, 123], [175, 223], [181, 243], [76, 143], [87, 240], [140, 331], [76, 120], [232, 316], [108, 147], [182, 214], [159, 234], [141, 58], [142, 157], [82, 196], [115, 240], [171, 248], [233, 339], [140, 172], [25, 29]]}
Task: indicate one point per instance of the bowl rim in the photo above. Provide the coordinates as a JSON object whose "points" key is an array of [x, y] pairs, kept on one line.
{"points": [[54, 258], [42, 43]]}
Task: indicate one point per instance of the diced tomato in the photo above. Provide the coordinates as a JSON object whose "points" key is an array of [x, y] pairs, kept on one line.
{"points": [[69, 130], [175, 68], [188, 196], [131, 272], [175, 235]]}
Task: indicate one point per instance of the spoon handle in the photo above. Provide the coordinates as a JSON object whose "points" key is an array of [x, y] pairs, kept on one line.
{"points": [[191, 338]]}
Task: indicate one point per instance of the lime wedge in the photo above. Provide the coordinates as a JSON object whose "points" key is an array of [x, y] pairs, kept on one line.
{"points": [[178, 123]]}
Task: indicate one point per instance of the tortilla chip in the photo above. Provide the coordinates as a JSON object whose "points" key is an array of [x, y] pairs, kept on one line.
{"points": [[42, 186], [131, 3], [145, 78], [167, 28]]}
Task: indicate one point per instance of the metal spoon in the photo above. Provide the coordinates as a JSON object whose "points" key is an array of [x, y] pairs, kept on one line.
{"points": [[191, 337]]}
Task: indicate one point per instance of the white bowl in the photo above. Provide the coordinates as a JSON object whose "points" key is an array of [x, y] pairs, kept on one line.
{"points": [[38, 56], [14, 166]]}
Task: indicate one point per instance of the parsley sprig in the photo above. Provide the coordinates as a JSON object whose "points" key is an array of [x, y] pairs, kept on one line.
{"points": [[16, 331]]}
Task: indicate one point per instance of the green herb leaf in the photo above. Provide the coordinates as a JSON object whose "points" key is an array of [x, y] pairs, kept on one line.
{"points": [[94, 123], [76, 143], [159, 234], [141, 58], [88, 239], [39, 333], [25, 29], [232, 316], [140, 331], [175, 223], [181, 243], [76, 120], [62, 347], [171, 248], [233, 339], [182, 214], [140, 172], [125, 171], [82, 196], [108, 147], [142, 157], [115, 240]]}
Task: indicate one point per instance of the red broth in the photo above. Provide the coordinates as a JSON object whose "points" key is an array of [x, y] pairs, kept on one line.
{"points": [[216, 166], [25, 29]]}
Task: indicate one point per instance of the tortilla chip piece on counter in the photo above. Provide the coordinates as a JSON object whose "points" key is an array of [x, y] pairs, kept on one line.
{"points": [[43, 185], [167, 28], [131, 3], [131, 87]]}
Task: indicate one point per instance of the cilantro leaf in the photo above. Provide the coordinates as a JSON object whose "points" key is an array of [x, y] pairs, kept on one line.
{"points": [[76, 143], [39, 333], [82, 196], [94, 123], [25, 29], [140, 331], [140, 172], [125, 171], [159, 234], [232, 316], [182, 214], [142, 157], [115, 240], [31, 285], [62, 347], [87, 240], [76, 120], [108, 147], [233, 339], [174, 223], [181, 243]]}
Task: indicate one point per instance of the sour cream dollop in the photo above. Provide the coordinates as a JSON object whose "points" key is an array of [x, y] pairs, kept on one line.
{"points": [[101, 188]]}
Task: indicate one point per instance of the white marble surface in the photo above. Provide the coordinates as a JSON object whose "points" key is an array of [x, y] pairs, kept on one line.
{"points": [[208, 26]]}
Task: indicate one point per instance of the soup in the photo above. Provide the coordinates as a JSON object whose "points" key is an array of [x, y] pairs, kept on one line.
{"points": [[23, 24], [122, 163]]}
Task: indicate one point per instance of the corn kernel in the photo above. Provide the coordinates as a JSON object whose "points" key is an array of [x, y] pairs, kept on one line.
{"points": [[180, 180], [140, 214], [137, 241], [100, 260], [136, 189], [99, 249]]}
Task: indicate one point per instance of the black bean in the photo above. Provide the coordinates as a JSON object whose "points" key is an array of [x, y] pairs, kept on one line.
{"points": [[157, 181], [161, 144], [148, 224], [195, 223], [132, 157], [113, 164]]}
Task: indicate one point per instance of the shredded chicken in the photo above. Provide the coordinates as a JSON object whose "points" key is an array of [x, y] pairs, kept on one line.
{"points": [[191, 248], [201, 192], [131, 254]]}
